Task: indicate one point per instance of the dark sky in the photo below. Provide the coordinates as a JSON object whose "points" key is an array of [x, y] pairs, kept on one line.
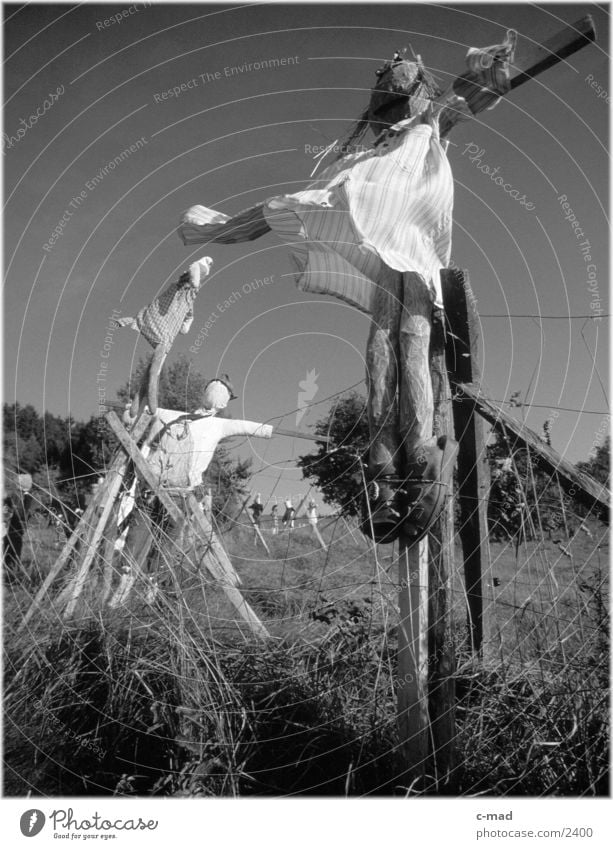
{"points": [[235, 136]]}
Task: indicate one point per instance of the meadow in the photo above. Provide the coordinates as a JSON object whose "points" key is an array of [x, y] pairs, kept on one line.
{"points": [[175, 698]]}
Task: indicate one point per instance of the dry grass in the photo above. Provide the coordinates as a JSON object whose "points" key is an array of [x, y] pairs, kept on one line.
{"points": [[171, 699]]}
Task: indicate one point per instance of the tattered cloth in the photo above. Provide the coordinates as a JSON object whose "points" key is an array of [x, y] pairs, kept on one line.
{"points": [[488, 77], [160, 321], [390, 207]]}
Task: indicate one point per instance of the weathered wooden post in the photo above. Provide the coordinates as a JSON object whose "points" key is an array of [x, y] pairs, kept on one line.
{"points": [[441, 650], [426, 662], [473, 469], [412, 695]]}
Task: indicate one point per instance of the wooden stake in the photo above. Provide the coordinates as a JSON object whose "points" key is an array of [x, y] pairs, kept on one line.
{"points": [[85, 527], [243, 505], [473, 467], [260, 536], [441, 650], [319, 537], [413, 660], [204, 530]]}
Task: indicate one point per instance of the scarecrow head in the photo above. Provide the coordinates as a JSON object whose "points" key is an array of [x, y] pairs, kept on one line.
{"points": [[218, 393], [197, 271], [403, 89]]}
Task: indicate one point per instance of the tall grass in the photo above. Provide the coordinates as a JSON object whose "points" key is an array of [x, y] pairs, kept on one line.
{"points": [[171, 699]]}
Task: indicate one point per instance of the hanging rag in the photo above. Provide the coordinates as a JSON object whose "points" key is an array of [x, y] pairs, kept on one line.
{"points": [[488, 77]]}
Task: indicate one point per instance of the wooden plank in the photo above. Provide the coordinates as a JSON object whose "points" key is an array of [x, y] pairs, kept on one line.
{"points": [[412, 695], [146, 473], [473, 467], [575, 483], [531, 59], [441, 651]]}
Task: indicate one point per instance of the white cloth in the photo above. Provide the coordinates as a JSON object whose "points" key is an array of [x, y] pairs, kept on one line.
{"points": [[387, 207], [185, 449]]}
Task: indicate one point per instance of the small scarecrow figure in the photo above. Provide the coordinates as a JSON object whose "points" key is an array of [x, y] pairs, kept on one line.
{"points": [[179, 450], [160, 322]]}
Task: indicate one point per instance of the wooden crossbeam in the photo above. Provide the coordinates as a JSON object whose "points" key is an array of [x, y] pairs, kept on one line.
{"points": [[577, 484], [218, 570], [531, 59]]}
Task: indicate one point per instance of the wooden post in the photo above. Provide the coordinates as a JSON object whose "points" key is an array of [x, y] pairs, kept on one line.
{"points": [[473, 467], [441, 650], [412, 699], [413, 561]]}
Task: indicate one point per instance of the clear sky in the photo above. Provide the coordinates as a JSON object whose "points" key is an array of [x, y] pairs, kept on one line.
{"points": [[230, 136]]}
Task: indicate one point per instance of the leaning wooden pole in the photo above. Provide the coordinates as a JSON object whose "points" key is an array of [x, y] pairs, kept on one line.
{"points": [[473, 468], [90, 519]]}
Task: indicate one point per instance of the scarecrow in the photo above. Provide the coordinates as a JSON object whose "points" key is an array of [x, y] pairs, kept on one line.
{"points": [[375, 231], [179, 449], [168, 315]]}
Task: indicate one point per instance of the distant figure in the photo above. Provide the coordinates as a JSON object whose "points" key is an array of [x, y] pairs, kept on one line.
{"points": [[207, 504], [274, 515], [257, 508], [7, 512], [288, 516], [312, 514], [20, 505]]}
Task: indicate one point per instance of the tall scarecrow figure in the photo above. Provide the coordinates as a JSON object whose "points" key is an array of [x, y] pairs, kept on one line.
{"points": [[375, 231]]}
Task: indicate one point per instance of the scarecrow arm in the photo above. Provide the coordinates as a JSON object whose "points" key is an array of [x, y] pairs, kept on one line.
{"points": [[532, 60]]}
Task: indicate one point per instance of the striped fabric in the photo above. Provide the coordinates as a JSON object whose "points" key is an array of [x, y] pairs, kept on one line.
{"points": [[200, 224], [370, 211]]}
